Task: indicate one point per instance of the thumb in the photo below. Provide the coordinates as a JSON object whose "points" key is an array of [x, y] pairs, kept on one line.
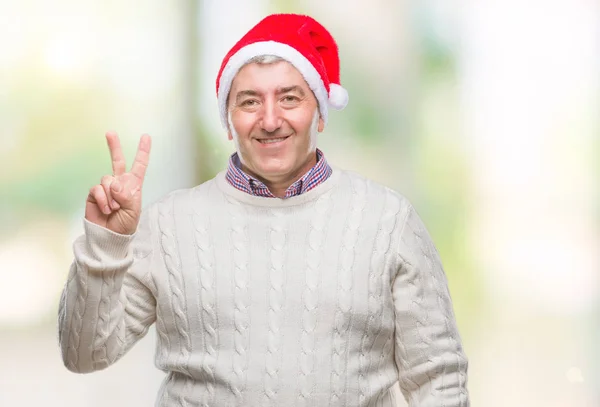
{"points": [[116, 187], [121, 193]]}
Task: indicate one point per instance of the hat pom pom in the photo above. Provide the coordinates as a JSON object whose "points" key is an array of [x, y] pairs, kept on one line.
{"points": [[338, 96]]}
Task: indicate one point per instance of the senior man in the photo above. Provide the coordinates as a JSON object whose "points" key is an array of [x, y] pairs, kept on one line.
{"points": [[282, 281]]}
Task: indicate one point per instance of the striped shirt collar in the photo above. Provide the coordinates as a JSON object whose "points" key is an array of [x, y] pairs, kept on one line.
{"points": [[244, 182]]}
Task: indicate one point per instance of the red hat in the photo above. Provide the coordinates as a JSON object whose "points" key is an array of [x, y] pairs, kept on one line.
{"points": [[301, 41]]}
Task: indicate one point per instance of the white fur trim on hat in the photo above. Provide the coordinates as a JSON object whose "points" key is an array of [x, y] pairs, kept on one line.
{"points": [[338, 96], [290, 54]]}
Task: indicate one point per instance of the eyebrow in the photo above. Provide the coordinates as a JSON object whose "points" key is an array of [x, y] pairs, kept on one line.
{"points": [[294, 88]]}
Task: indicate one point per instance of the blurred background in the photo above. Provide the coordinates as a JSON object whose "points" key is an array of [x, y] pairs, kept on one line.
{"points": [[485, 114]]}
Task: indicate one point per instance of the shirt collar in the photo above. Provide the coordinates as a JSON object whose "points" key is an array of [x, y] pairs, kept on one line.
{"points": [[244, 182]]}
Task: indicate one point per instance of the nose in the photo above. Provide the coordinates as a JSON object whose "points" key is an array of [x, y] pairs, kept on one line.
{"points": [[272, 118]]}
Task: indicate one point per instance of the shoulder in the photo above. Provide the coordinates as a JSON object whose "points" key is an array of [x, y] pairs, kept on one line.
{"points": [[375, 191]]}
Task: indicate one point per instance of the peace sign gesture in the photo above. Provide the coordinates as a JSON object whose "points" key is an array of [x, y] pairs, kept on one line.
{"points": [[116, 203]]}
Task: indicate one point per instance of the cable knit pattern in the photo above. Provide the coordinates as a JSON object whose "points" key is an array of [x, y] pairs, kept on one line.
{"points": [[375, 301], [343, 316], [327, 298], [388, 347], [77, 320], [277, 240], [241, 321], [164, 348], [310, 298], [176, 285], [208, 301], [427, 250], [426, 321], [100, 356], [62, 313], [386, 313]]}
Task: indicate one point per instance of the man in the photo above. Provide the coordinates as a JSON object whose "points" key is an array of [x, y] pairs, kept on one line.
{"points": [[282, 281]]}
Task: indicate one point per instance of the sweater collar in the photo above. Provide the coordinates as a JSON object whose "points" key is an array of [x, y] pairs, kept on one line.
{"points": [[242, 197]]}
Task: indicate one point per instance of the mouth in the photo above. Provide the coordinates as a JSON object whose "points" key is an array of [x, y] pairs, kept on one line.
{"points": [[272, 141]]}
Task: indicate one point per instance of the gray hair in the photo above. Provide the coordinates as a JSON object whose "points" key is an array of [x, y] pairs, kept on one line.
{"points": [[264, 60]]}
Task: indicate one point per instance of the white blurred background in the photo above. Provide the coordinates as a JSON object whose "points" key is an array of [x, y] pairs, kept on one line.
{"points": [[483, 113]]}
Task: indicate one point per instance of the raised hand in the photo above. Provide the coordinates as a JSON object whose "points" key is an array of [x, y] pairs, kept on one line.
{"points": [[116, 203]]}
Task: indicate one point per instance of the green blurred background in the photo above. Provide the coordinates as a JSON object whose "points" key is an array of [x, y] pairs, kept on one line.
{"points": [[483, 113]]}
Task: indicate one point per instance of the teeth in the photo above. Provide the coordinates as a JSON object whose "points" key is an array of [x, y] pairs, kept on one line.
{"points": [[272, 140]]}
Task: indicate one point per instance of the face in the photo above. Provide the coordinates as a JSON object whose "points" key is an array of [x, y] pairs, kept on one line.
{"points": [[273, 120]]}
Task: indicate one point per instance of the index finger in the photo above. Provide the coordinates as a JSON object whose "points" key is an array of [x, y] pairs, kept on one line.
{"points": [[140, 164], [116, 153]]}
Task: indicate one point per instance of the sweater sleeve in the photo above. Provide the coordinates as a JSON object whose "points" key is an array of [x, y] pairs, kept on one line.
{"points": [[106, 304], [428, 348]]}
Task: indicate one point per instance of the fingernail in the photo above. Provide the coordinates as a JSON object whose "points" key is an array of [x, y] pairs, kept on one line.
{"points": [[106, 210], [114, 204]]}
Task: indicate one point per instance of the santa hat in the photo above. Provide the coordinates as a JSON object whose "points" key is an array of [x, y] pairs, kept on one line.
{"points": [[301, 41]]}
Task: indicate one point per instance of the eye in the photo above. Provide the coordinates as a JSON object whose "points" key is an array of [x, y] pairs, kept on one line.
{"points": [[290, 98], [249, 103]]}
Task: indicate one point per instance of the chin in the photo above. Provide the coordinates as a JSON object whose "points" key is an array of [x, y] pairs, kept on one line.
{"points": [[273, 168]]}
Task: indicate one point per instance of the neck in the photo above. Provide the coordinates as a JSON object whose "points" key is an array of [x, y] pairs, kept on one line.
{"points": [[278, 185]]}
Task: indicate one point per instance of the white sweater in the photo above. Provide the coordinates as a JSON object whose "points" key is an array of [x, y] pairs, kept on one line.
{"points": [[323, 299]]}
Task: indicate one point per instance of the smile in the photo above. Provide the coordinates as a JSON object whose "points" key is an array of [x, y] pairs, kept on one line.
{"points": [[272, 140]]}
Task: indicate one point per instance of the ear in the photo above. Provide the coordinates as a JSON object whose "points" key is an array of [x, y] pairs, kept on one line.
{"points": [[321, 125], [229, 124]]}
